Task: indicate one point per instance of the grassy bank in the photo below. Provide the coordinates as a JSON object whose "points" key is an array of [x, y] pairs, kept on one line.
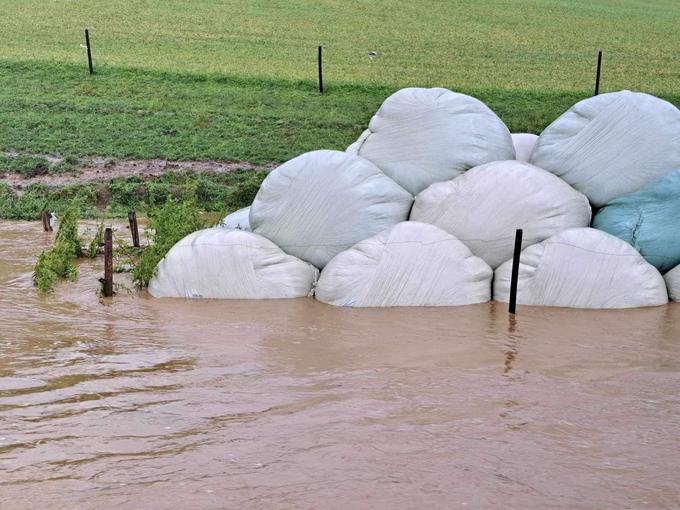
{"points": [[57, 109]]}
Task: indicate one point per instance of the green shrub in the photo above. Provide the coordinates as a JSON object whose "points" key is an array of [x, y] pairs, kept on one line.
{"points": [[167, 225], [59, 262]]}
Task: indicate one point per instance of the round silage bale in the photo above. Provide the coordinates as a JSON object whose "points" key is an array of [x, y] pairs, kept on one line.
{"points": [[219, 263], [409, 264], [484, 206], [421, 136], [321, 203], [649, 220], [672, 279], [237, 220], [582, 268], [611, 144], [524, 144]]}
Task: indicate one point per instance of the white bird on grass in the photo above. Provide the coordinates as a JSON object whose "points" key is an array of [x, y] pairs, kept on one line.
{"points": [[372, 55]]}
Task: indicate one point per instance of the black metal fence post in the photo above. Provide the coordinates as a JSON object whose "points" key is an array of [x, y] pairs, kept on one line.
{"points": [[89, 51], [597, 77], [515, 271], [320, 59]]}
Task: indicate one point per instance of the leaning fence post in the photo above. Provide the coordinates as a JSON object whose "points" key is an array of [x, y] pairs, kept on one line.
{"points": [[108, 263], [597, 76], [515, 271], [320, 57], [134, 229], [45, 221], [89, 51]]}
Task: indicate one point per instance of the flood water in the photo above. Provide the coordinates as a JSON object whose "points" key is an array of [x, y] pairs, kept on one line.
{"points": [[140, 403]]}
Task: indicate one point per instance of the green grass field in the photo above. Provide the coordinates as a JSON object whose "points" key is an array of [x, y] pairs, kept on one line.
{"points": [[232, 80]]}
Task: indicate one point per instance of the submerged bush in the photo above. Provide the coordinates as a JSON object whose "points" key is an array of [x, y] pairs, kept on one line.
{"points": [[98, 239], [167, 224], [59, 262]]}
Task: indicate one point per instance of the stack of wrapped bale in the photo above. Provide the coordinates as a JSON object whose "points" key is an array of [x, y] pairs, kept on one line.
{"points": [[474, 184]]}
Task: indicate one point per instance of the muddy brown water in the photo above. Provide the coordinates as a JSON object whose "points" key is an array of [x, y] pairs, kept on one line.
{"points": [[142, 403]]}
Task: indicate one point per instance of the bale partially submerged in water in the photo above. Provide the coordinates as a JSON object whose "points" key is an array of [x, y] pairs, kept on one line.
{"points": [[347, 208], [410, 264], [230, 264], [672, 278], [583, 268]]}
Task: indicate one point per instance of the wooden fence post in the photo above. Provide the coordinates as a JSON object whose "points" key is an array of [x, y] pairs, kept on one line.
{"points": [[108, 263], [134, 229]]}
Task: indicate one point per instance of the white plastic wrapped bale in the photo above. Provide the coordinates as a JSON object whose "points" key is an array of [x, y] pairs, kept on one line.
{"points": [[484, 206], [420, 136], [524, 144], [354, 147], [672, 278], [582, 268], [611, 144], [323, 202], [237, 220], [230, 264], [410, 264]]}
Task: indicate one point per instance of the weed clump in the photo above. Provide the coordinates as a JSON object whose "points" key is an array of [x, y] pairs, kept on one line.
{"points": [[215, 193], [59, 262], [97, 240], [168, 224]]}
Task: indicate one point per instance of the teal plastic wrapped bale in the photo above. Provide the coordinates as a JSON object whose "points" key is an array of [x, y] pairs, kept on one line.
{"points": [[649, 220]]}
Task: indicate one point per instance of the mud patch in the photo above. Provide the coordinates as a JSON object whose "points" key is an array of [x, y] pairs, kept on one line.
{"points": [[102, 169]]}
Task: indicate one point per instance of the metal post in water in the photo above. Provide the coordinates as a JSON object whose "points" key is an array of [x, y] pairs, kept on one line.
{"points": [[89, 51], [108, 263], [597, 77], [134, 229], [515, 271], [320, 71]]}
